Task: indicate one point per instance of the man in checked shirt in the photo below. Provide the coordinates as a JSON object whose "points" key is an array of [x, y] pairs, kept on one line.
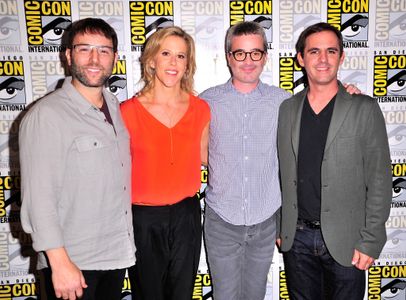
{"points": [[243, 192]]}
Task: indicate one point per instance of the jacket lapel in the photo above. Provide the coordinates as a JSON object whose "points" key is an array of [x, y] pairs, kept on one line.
{"points": [[296, 117], [341, 106]]}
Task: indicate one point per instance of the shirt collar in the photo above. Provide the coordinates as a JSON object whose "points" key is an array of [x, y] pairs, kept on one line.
{"points": [[257, 93], [80, 102]]}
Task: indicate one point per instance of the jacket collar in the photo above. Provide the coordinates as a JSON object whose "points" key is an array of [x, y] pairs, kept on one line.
{"points": [[341, 107]]}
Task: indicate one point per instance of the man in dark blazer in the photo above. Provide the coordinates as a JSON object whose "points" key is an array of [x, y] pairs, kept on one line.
{"points": [[335, 177]]}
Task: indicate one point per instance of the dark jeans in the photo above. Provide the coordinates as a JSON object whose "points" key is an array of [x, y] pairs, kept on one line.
{"points": [[168, 241], [312, 273], [102, 285]]}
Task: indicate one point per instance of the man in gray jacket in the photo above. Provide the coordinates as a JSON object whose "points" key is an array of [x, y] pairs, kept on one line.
{"points": [[335, 177]]}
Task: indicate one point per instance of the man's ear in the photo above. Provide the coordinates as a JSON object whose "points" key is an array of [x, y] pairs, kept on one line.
{"points": [[265, 57], [300, 59], [228, 57], [342, 58], [68, 55]]}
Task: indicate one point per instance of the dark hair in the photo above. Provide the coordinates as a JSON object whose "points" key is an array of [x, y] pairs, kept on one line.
{"points": [[94, 26], [315, 28], [152, 47], [245, 28]]}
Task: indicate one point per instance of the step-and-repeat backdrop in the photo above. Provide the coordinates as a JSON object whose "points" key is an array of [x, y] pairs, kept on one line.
{"points": [[375, 46]]}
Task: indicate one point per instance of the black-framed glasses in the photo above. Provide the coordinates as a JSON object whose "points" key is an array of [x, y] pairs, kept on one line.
{"points": [[86, 49], [240, 55]]}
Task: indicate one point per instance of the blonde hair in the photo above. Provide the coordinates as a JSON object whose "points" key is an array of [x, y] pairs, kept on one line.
{"points": [[152, 47]]}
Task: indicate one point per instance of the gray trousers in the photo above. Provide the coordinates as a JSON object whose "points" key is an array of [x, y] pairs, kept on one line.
{"points": [[239, 257]]}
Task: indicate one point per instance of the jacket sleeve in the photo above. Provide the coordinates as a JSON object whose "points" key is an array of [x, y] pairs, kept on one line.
{"points": [[378, 181], [278, 223]]}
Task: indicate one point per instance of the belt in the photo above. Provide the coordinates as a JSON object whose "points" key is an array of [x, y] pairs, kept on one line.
{"points": [[310, 224]]}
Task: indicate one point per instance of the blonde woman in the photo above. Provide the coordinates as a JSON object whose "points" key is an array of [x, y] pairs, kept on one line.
{"points": [[168, 129]]}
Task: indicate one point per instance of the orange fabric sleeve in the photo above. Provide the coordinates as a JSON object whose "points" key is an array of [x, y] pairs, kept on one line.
{"points": [[165, 161]]}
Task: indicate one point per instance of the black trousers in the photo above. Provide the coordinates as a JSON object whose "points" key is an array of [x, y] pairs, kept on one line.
{"points": [[102, 285], [168, 241]]}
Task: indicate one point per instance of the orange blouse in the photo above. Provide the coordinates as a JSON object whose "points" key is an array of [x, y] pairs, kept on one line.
{"points": [[165, 161]]}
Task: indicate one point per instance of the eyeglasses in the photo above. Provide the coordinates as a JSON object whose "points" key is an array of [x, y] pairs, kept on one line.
{"points": [[85, 49], [240, 55]]}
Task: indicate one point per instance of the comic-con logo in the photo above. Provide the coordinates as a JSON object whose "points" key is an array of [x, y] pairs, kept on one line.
{"points": [[294, 17], [395, 119], [10, 197], [110, 11], [291, 77], [117, 83], [12, 291], [259, 11], [283, 287], [202, 289], [203, 20], [396, 137], [18, 245], [387, 282], [399, 184], [9, 26], [354, 68], [4, 255], [204, 175], [146, 17], [2, 204], [46, 74], [136, 82], [395, 115], [9, 159], [46, 22], [12, 83], [126, 289], [394, 251], [390, 23], [351, 17], [389, 77]]}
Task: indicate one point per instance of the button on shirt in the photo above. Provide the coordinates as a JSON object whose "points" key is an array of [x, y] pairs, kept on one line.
{"points": [[243, 186], [75, 181]]}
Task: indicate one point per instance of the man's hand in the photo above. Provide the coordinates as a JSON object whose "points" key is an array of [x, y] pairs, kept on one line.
{"points": [[278, 244], [361, 260], [67, 279], [351, 89]]}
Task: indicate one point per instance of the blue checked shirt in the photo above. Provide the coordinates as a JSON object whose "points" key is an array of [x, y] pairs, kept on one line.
{"points": [[243, 186]]}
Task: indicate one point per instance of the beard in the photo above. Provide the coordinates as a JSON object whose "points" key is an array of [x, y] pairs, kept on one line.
{"points": [[78, 73]]}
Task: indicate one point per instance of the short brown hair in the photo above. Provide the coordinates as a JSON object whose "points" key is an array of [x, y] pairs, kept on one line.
{"points": [[92, 26], [315, 28]]}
